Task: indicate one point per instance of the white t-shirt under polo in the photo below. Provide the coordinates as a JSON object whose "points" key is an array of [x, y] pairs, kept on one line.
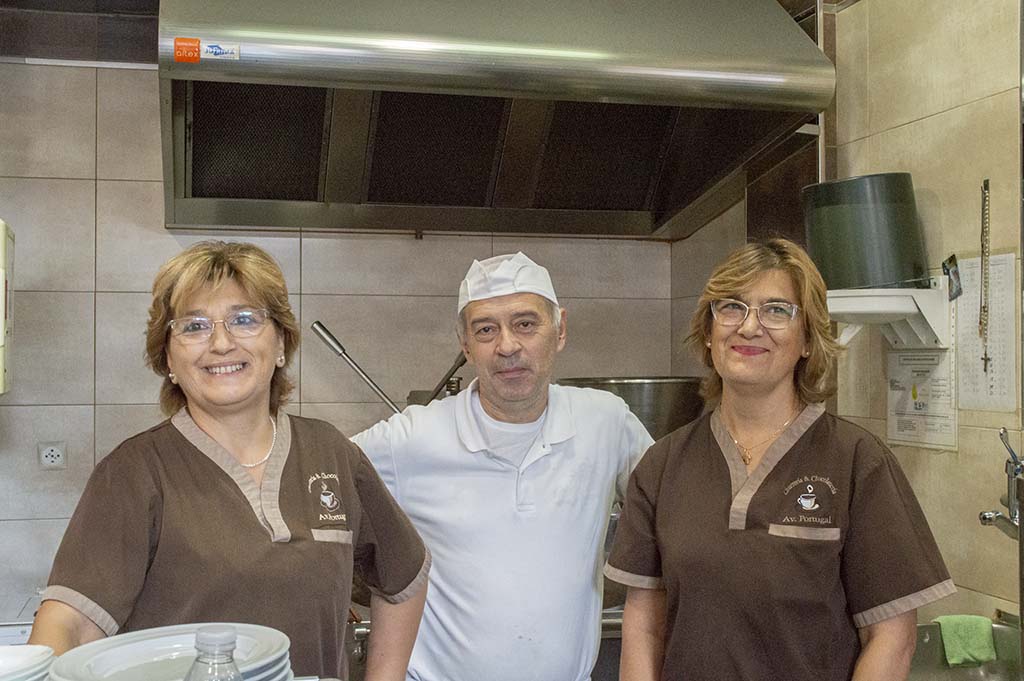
{"points": [[515, 584], [508, 441]]}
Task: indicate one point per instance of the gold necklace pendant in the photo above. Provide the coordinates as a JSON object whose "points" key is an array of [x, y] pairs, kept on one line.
{"points": [[746, 453]]}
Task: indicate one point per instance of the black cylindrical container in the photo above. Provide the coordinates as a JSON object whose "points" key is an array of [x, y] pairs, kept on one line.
{"points": [[864, 232]]}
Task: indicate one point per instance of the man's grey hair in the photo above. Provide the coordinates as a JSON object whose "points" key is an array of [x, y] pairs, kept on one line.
{"points": [[554, 313]]}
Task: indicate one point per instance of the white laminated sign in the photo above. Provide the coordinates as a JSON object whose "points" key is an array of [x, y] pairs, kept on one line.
{"points": [[921, 404]]}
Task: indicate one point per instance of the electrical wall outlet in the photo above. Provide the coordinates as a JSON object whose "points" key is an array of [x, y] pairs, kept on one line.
{"points": [[52, 455]]}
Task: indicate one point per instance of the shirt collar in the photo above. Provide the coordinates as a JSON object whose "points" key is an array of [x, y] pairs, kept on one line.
{"points": [[558, 423]]}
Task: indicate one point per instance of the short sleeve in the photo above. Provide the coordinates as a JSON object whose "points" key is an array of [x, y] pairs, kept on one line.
{"points": [[377, 443], [890, 562], [390, 557], [635, 559], [635, 440], [101, 565]]}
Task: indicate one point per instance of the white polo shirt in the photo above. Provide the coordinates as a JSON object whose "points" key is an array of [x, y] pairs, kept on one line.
{"points": [[515, 586]]}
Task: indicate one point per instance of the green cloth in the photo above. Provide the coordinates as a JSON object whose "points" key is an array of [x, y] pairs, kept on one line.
{"points": [[967, 639]]}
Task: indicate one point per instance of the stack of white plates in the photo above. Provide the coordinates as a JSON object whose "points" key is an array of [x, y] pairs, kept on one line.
{"points": [[25, 663], [166, 653]]}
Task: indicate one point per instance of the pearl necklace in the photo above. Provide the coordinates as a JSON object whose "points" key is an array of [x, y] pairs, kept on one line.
{"points": [[273, 442], [746, 453]]}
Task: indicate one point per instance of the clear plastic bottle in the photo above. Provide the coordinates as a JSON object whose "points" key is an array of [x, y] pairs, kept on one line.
{"points": [[215, 647]]}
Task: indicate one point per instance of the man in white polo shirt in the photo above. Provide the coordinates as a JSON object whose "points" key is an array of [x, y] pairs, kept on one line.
{"points": [[510, 483]]}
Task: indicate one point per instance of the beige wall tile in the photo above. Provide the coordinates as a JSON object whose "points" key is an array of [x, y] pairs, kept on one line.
{"points": [[49, 121], [115, 423], [132, 242], [874, 426], [349, 418], [952, 489], [854, 396], [616, 338], [862, 379], [989, 419], [597, 268], [403, 343], [27, 490], [966, 602], [684, 361], [949, 154], [928, 56], [852, 73], [54, 223], [128, 125], [27, 548], [694, 258], [122, 376], [51, 360], [389, 264], [853, 158]]}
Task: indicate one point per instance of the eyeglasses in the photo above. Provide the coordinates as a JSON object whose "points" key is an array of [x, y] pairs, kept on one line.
{"points": [[240, 324], [773, 315]]}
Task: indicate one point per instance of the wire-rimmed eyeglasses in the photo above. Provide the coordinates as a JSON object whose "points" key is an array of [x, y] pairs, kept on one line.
{"points": [[775, 314], [244, 323]]}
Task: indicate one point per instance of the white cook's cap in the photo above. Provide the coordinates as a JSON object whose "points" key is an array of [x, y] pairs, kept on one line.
{"points": [[503, 275]]}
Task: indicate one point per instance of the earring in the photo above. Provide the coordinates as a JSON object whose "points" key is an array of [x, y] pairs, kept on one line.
{"points": [[173, 379], [707, 343], [280, 361]]}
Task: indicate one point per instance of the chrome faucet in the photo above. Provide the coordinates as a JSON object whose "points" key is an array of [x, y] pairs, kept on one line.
{"points": [[1009, 522], [1010, 525]]}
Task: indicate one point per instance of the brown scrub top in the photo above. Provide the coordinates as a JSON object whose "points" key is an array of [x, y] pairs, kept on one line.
{"points": [[768, 576], [171, 529]]}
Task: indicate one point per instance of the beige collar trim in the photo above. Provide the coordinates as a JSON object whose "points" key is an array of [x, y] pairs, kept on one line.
{"points": [[264, 499], [744, 486]]}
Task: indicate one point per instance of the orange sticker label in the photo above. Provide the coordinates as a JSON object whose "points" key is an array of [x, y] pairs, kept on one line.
{"points": [[186, 50]]}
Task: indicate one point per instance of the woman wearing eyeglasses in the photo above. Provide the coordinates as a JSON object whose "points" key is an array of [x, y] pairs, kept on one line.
{"points": [[769, 539], [232, 510]]}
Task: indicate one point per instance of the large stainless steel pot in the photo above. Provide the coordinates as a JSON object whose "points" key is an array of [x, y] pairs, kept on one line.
{"points": [[662, 403]]}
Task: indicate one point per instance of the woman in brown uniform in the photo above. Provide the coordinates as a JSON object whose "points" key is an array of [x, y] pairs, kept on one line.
{"points": [[768, 539], [232, 510]]}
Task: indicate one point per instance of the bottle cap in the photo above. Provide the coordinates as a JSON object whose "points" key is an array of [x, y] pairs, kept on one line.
{"points": [[216, 638]]}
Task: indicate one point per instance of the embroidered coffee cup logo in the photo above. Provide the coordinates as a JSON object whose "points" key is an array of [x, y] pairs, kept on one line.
{"points": [[809, 500], [327, 498]]}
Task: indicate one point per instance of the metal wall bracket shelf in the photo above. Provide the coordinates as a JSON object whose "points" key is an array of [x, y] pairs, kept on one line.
{"points": [[909, 318]]}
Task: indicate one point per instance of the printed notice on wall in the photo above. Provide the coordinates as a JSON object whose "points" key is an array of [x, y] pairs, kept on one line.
{"points": [[987, 375], [921, 404]]}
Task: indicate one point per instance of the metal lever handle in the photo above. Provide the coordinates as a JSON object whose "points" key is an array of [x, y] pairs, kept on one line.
{"points": [[330, 341], [1005, 439], [459, 361]]}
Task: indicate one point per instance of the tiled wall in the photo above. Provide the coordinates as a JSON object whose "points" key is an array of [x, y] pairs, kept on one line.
{"points": [[693, 259], [933, 87], [80, 184]]}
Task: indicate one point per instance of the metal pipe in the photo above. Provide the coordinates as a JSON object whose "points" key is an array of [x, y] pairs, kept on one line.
{"points": [[456, 365], [330, 341]]}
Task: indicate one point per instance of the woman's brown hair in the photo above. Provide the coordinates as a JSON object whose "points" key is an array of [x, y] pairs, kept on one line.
{"points": [[814, 376], [212, 263]]}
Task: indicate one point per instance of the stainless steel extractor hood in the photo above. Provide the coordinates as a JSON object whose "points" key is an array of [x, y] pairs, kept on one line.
{"points": [[580, 116]]}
